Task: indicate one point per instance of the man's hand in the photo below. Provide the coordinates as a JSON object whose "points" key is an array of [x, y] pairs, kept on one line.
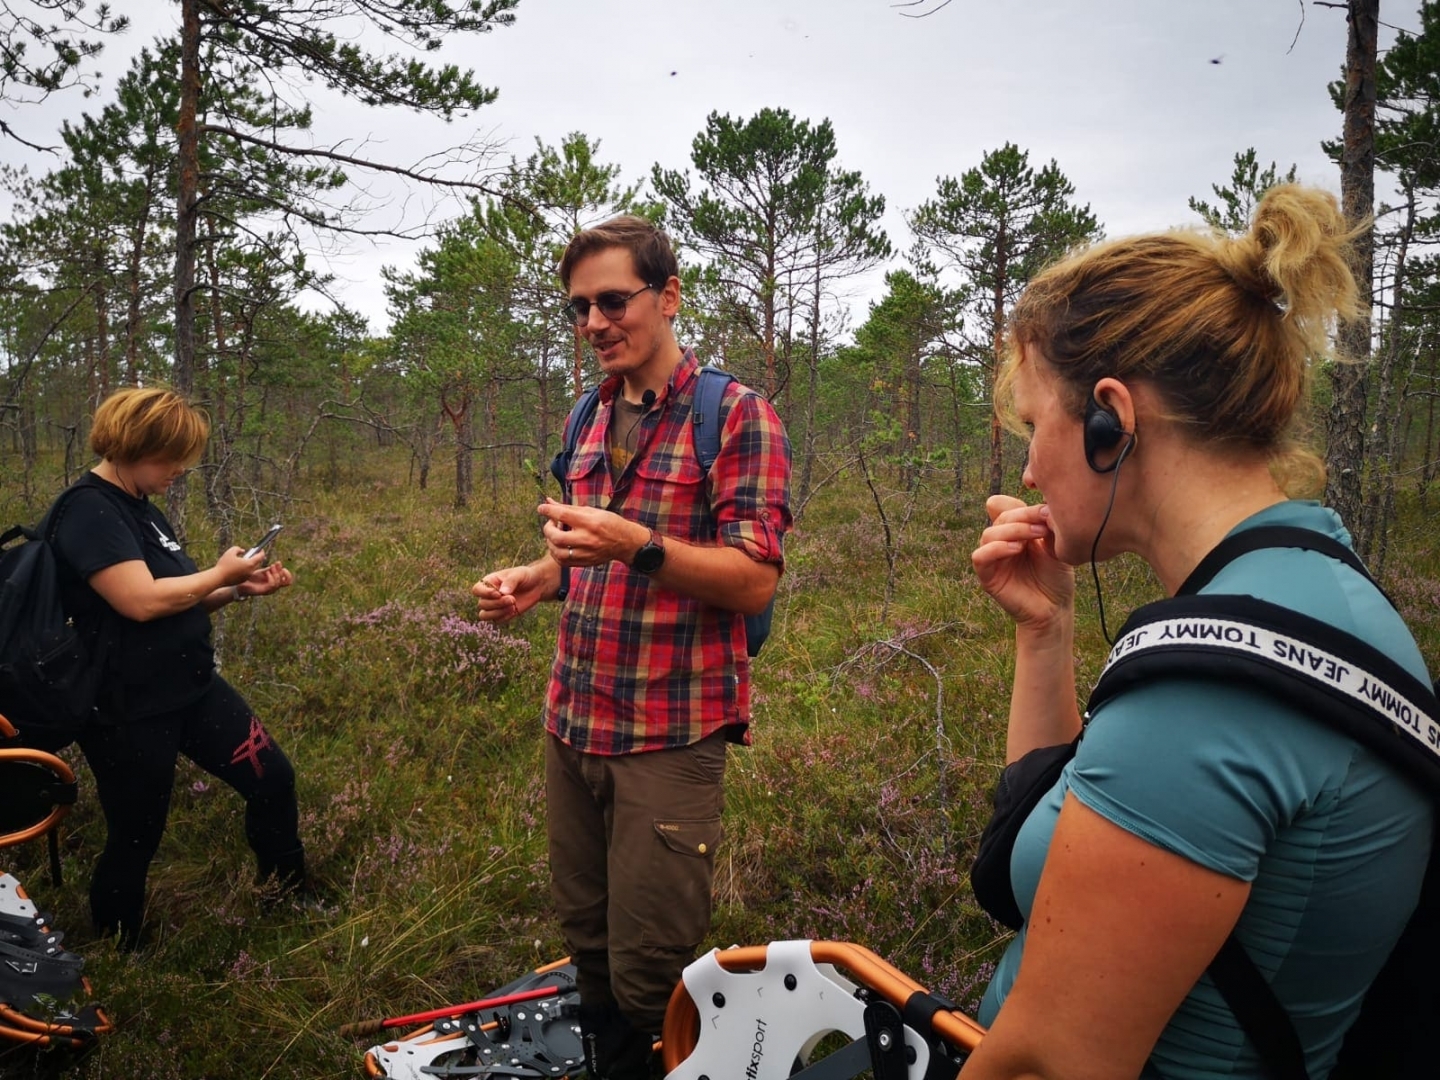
{"points": [[508, 593], [585, 536]]}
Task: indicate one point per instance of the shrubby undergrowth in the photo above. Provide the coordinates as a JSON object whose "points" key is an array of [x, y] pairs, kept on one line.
{"points": [[416, 735]]}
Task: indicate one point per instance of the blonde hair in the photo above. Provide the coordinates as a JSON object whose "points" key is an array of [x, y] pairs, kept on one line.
{"points": [[1226, 328], [134, 424]]}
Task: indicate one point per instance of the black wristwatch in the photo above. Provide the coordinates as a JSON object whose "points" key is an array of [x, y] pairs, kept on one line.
{"points": [[651, 555]]}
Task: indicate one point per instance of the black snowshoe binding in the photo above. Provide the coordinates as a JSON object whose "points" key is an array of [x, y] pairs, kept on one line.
{"points": [[44, 995], [45, 999], [527, 1040]]}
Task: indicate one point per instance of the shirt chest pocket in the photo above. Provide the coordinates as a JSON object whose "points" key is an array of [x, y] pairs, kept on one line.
{"points": [[670, 465], [588, 461], [669, 492]]}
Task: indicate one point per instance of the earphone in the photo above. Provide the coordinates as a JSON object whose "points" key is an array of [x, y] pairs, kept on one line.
{"points": [[1102, 431]]}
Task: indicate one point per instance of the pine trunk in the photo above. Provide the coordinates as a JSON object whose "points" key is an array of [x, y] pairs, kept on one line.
{"points": [[1345, 424]]}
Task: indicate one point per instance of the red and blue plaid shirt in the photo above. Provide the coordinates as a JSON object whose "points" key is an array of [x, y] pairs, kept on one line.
{"points": [[638, 666]]}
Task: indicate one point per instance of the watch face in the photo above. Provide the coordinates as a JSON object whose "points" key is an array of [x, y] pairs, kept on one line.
{"points": [[649, 558]]}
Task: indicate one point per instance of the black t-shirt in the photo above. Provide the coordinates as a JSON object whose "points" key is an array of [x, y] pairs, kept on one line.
{"points": [[151, 667]]}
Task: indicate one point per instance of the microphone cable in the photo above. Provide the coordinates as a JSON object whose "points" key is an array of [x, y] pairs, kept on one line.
{"points": [[647, 399]]}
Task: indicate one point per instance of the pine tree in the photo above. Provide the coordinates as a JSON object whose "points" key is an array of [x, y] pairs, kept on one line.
{"points": [[996, 226], [772, 211]]}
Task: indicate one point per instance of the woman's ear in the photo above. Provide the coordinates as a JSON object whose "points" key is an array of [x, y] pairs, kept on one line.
{"points": [[1115, 396]]}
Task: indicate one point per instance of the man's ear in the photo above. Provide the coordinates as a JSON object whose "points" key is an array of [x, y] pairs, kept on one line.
{"points": [[670, 297]]}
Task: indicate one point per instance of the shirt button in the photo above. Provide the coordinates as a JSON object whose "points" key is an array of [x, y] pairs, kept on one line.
{"points": [[702, 849]]}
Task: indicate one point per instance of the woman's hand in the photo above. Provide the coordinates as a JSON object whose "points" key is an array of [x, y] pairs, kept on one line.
{"points": [[266, 580], [233, 566], [1016, 563]]}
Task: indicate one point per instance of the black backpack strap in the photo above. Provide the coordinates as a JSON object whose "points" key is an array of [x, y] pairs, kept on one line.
{"points": [[1406, 987], [1261, 1016], [1310, 664], [1328, 672], [1271, 536], [47, 526], [50, 523], [1022, 784], [581, 413]]}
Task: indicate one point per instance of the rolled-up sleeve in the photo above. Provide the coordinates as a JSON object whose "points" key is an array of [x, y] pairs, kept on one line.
{"points": [[750, 480]]}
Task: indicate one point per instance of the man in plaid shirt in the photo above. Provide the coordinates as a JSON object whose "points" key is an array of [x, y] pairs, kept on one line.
{"points": [[651, 675]]}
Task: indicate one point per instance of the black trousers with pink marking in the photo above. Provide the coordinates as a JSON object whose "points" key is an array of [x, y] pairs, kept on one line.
{"points": [[134, 767]]}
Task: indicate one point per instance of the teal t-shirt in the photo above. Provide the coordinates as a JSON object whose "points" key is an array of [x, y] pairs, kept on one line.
{"points": [[1332, 839]]}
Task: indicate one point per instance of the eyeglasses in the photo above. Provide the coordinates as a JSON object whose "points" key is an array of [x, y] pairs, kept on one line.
{"points": [[611, 304]]}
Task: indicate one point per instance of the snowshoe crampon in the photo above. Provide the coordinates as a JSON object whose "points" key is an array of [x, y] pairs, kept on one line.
{"points": [[785, 1010], [528, 1039]]}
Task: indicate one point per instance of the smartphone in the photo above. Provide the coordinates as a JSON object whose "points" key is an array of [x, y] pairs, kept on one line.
{"points": [[264, 540]]}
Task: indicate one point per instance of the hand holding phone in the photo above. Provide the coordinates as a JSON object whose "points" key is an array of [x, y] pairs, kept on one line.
{"points": [[264, 541]]}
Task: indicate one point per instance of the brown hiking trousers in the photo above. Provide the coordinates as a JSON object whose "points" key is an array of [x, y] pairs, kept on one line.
{"points": [[632, 864]]}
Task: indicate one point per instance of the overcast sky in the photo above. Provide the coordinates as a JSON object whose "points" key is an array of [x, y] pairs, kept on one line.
{"points": [[1142, 103]]}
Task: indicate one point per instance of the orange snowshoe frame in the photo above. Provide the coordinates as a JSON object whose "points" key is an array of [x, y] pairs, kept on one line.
{"points": [[45, 1001]]}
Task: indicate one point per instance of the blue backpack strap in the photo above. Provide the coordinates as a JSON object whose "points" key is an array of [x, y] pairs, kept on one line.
{"points": [[581, 413], [710, 386], [579, 419], [705, 419], [705, 413]]}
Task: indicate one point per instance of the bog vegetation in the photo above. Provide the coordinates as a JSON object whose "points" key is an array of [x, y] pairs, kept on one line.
{"points": [[880, 709]]}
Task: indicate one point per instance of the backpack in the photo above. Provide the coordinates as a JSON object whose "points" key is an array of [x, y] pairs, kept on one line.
{"points": [[50, 669], [1337, 678], [705, 418]]}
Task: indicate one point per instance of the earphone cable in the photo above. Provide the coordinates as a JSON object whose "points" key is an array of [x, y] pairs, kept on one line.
{"points": [[1095, 544]]}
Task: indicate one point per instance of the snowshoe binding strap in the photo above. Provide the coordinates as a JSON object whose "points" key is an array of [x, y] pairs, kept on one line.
{"points": [[44, 995], [527, 1040]]}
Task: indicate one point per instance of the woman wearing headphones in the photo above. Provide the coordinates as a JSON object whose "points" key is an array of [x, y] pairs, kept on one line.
{"points": [[1160, 380]]}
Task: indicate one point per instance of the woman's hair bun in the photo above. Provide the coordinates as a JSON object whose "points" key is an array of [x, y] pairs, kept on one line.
{"points": [[1298, 253]]}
